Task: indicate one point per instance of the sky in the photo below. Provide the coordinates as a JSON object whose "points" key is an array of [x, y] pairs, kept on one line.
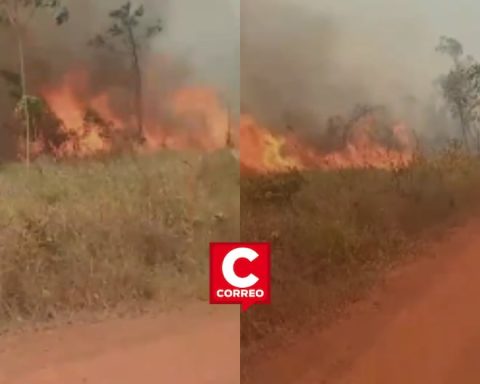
{"points": [[393, 38], [403, 24], [401, 36], [323, 57]]}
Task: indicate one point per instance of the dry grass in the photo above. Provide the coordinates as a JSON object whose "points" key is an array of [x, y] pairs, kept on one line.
{"points": [[99, 234], [333, 232]]}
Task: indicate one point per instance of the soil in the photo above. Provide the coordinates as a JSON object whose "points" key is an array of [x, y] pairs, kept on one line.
{"points": [[421, 325], [198, 345]]}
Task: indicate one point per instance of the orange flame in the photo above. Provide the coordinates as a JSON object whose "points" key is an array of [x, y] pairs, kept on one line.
{"points": [[199, 119], [263, 151], [205, 122]]}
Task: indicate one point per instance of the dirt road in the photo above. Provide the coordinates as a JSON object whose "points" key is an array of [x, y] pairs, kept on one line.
{"points": [[197, 346], [421, 326]]}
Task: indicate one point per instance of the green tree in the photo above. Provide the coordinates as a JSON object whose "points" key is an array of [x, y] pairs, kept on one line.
{"points": [[17, 14], [460, 86], [128, 36]]}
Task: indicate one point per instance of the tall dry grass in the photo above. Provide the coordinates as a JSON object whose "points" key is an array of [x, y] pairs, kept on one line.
{"points": [[96, 235], [333, 232]]}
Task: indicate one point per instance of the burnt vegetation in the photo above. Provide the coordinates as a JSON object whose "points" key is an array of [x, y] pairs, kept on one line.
{"points": [[340, 130]]}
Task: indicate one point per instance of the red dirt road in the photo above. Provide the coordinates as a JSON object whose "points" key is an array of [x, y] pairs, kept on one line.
{"points": [[198, 346], [421, 326]]}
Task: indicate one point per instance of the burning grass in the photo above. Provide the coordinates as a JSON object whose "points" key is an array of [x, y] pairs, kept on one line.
{"points": [[73, 118], [369, 138], [333, 231], [95, 235]]}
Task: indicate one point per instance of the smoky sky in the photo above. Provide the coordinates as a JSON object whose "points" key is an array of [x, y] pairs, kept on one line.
{"points": [[306, 60], [207, 34], [203, 34], [200, 42], [199, 46]]}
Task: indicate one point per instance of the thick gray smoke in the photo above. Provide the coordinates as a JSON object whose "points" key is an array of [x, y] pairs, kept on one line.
{"points": [[207, 35], [304, 61], [198, 46]]}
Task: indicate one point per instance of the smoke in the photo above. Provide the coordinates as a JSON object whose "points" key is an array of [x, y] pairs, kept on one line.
{"points": [[207, 35], [304, 61], [186, 53]]}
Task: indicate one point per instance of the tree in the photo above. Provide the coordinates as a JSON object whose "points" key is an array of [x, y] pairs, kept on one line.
{"points": [[17, 14], [450, 47], [42, 121], [127, 36], [461, 86]]}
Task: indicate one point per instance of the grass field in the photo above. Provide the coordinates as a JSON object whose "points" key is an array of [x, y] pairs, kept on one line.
{"points": [[333, 232], [95, 235]]}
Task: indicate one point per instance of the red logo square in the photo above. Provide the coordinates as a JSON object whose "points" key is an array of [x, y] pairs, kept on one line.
{"points": [[240, 273]]}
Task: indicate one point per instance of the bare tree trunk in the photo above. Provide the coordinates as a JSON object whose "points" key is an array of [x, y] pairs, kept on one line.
{"points": [[139, 101], [138, 85], [24, 99], [228, 138], [12, 13], [463, 126]]}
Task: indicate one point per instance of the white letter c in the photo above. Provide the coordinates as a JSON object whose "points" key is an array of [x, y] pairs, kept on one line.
{"points": [[228, 267]]}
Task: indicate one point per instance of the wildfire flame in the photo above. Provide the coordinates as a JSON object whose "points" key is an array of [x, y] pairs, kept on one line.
{"points": [[263, 151], [191, 106], [89, 125], [70, 108]]}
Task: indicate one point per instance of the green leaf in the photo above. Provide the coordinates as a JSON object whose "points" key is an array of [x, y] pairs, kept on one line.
{"points": [[139, 11], [97, 41], [47, 3], [62, 16], [36, 105], [115, 30], [126, 8], [154, 29], [117, 14], [122, 13], [27, 3], [132, 22]]}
